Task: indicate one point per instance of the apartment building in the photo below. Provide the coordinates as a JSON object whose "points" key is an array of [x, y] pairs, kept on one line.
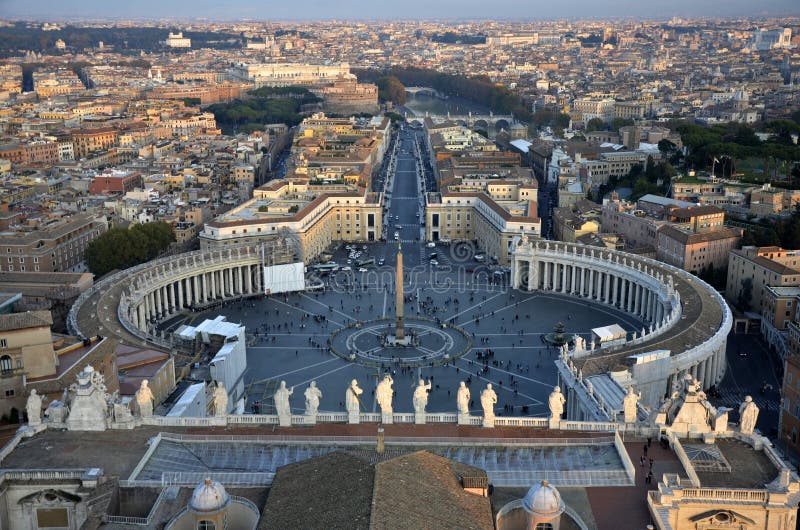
{"points": [[764, 267], [789, 422], [115, 181], [491, 214], [316, 215], [31, 357], [694, 251], [49, 244], [84, 141]]}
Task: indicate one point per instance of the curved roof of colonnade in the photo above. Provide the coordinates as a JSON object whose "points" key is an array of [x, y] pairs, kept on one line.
{"points": [[704, 314], [95, 311]]}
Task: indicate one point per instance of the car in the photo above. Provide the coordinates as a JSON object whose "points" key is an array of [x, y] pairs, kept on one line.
{"points": [[346, 268], [396, 235], [434, 262], [381, 261], [349, 262], [431, 244], [364, 247], [362, 269], [398, 227]]}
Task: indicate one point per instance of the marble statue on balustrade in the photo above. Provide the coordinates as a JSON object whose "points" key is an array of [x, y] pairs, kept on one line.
{"points": [[580, 346], [352, 401], [383, 395], [420, 400], [220, 400], [488, 401], [88, 409], [748, 414], [556, 402], [282, 407], [313, 395], [144, 400], [34, 408], [462, 402], [630, 405]]}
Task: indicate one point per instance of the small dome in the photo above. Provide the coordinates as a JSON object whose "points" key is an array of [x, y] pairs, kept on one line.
{"points": [[544, 500], [209, 497]]}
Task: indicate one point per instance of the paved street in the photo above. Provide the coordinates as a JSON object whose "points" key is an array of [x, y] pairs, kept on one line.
{"points": [[750, 367], [289, 333]]}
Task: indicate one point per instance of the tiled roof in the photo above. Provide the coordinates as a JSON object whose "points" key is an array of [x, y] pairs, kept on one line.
{"points": [[28, 319]]}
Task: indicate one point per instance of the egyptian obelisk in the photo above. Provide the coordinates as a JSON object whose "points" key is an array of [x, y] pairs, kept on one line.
{"points": [[399, 333]]}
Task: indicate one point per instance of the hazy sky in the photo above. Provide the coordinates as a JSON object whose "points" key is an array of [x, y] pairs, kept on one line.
{"points": [[406, 9]]}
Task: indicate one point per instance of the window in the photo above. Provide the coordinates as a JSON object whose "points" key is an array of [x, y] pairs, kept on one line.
{"points": [[208, 525], [544, 526], [3, 343], [5, 364], [10, 393]]}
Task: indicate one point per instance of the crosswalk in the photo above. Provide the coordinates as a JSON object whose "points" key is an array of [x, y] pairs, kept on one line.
{"points": [[732, 398]]}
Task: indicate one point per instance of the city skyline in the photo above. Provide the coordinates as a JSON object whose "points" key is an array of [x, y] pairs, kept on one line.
{"points": [[412, 9]]}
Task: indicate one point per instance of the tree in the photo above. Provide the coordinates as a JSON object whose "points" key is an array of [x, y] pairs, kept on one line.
{"points": [[595, 124], [391, 89], [121, 248], [616, 123], [745, 295]]}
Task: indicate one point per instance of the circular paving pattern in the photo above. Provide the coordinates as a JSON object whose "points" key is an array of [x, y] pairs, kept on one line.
{"points": [[430, 343]]}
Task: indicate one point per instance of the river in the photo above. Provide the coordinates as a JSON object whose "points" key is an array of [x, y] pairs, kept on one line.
{"points": [[421, 104]]}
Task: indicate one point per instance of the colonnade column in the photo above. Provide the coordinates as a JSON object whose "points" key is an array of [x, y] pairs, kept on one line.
{"points": [[572, 289], [159, 310], [213, 291], [546, 285], [591, 284], [240, 277], [607, 294], [614, 281], [563, 277], [248, 277], [180, 294], [230, 282], [636, 302]]}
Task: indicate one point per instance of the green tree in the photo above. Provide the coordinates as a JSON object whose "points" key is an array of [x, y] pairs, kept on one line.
{"points": [[391, 89], [595, 124], [121, 248], [745, 295], [616, 123]]}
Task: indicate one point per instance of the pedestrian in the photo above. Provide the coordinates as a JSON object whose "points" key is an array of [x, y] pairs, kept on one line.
{"points": [[645, 449], [649, 441], [651, 464], [641, 461], [649, 479]]}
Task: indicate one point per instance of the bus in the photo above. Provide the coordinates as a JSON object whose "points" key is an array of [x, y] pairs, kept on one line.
{"points": [[365, 262], [326, 267]]}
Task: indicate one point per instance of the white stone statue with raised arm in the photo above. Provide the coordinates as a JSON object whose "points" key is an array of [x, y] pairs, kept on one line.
{"points": [[282, 407], [383, 395], [144, 400], [462, 401], [313, 395], [34, 408], [629, 405], [488, 401], [220, 400], [352, 401], [420, 400], [580, 344], [748, 414], [556, 402]]}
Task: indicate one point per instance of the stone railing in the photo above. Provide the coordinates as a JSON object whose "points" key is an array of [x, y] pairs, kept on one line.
{"points": [[717, 494], [683, 458], [139, 521], [625, 457]]}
